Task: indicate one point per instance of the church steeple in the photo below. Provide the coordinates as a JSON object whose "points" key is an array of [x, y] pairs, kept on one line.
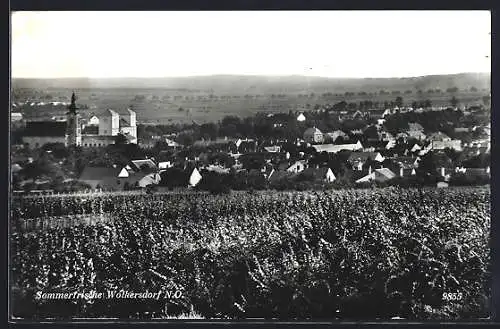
{"points": [[73, 128], [72, 107]]}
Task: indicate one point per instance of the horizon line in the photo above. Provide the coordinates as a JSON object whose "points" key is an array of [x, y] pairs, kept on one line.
{"points": [[249, 75]]}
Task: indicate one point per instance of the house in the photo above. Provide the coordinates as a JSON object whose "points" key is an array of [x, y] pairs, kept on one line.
{"points": [[194, 178], [138, 165], [378, 175], [165, 165], [218, 169], [301, 117], [297, 167], [452, 144], [405, 172], [372, 146], [358, 159], [332, 148], [108, 177], [438, 136], [313, 136], [416, 134], [272, 149], [415, 148], [478, 171], [407, 162], [323, 174]]}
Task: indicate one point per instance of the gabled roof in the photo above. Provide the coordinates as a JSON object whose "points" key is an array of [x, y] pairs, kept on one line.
{"points": [[316, 173], [144, 162], [384, 172], [406, 162], [45, 129], [332, 148]]}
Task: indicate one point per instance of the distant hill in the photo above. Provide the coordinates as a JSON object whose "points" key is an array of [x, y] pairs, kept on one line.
{"points": [[242, 84]]}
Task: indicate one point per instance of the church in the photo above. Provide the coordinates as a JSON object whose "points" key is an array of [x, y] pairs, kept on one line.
{"points": [[100, 131]]}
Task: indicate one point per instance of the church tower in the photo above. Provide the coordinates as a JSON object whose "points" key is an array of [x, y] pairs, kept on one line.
{"points": [[73, 128]]}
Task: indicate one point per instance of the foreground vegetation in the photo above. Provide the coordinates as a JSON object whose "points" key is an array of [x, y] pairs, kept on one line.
{"points": [[351, 254]]}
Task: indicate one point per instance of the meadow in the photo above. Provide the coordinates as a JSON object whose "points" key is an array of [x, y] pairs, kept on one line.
{"points": [[415, 254]]}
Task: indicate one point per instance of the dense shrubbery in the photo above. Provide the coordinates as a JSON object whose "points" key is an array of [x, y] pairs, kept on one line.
{"points": [[339, 254], [469, 180]]}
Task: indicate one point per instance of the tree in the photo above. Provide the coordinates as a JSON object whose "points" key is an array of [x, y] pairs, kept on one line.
{"points": [[120, 139], [473, 89], [454, 101], [371, 133], [427, 168], [399, 101]]}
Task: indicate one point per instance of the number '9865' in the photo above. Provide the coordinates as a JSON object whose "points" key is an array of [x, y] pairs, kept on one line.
{"points": [[452, 296]]}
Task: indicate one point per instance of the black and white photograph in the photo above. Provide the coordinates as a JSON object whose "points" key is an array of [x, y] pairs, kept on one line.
{"points": [[250, 166]]}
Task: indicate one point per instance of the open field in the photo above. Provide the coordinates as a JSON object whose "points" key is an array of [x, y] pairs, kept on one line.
{"points": [[351, 254], [208, 99]]}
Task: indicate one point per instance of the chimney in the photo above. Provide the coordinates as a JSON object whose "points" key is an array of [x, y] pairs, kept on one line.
{"points": [[401, 171], [369, 170], [442, 171]]}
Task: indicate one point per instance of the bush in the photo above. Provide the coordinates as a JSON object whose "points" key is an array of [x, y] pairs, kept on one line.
{"points": [[469, 180]]}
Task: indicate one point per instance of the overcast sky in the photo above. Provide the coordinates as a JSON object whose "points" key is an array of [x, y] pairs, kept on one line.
{"points": [[319, 43]]}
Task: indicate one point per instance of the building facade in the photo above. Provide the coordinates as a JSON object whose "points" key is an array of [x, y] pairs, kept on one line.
{"points": [[69, 132]]}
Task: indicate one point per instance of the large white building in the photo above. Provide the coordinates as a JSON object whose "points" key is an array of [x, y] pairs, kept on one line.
{"points": [[71, 132]]}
